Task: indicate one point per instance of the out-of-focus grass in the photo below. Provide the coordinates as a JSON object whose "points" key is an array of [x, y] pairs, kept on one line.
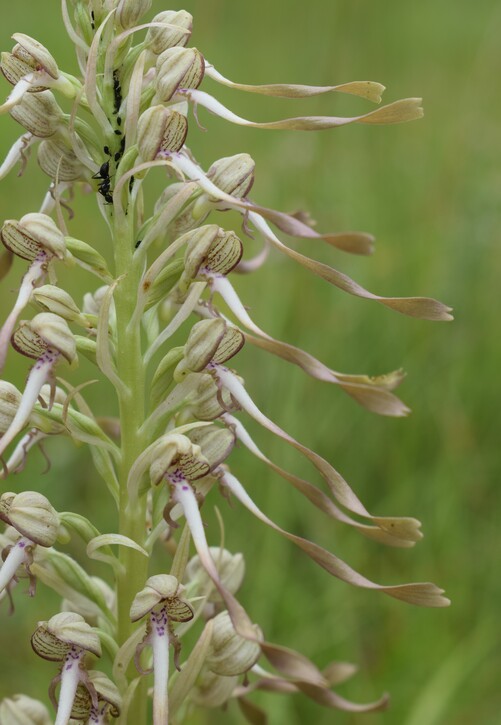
{"points": [[430, 192]]}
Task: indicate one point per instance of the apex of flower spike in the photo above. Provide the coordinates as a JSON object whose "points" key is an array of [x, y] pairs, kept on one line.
{"points": [[161, 589], [233, 174], [229, 653], [178, 68], [23, 710], [230, 568], [45, 332], [32, 235], [32, 515], [10, 399], [129, 12], [160, 130], [53, 640], [160, 39]]}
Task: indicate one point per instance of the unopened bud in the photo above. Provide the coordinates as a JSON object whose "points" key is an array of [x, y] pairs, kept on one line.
{"points": [[189, 218], [10, 399], [209, 341], [207, 403], [92, 301], [33, 235], [233, 174], [230, 568], [56, 300], [45, 332], [32, 515], [160, 131], [129, 12], [88, 257], [161, 589], [58, 161], [30, 49], [229, 653], [213, 690], [203, 341], [160, 39], [23, 710], [178, 69], [53, 640], [178, 453], [211, 250], [38, 113]]}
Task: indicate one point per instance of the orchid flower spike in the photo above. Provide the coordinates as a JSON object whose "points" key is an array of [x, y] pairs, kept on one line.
{"points": [[37, 239], [162, 601], [33, 517], [46, 338], [67, 638]]}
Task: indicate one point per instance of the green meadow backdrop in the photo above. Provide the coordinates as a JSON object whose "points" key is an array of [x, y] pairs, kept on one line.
{"points": [[430, 192]]}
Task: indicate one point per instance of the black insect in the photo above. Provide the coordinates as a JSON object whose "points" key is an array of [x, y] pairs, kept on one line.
{"points": [[92, 20], [104, 187], [117, 92], [137, 244]]}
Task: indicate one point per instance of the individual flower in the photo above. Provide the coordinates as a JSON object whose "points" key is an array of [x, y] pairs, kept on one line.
{"points": [[67, 638], [162, 602], [37, 523]]}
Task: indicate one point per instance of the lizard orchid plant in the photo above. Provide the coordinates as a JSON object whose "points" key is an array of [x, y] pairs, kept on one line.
{"points": [[179, 407]]}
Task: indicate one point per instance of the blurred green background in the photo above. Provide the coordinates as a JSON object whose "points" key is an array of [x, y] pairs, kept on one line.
{"points": [[430, 192]]}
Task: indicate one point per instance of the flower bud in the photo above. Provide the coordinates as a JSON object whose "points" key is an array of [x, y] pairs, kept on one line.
{"points": [[177, 452], [129, 12], [88, 257], [58, 161], [160, 131], [23, 710], [38, 113], [32, 515], [229, 653], [86, 608], [230, 568], [46, 331], [10, 399], [161, 589], [233, 174], [211, 250], [92, 301], [178, 69], [53, 640], [160, 39], [33, 52], [189, 218], [203, 341], [32, 235], [207, 404], [213, 690], [56, 300], [108, 696]]}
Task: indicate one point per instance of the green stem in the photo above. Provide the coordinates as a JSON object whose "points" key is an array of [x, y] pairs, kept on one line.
{"points": [[131, 371]]}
